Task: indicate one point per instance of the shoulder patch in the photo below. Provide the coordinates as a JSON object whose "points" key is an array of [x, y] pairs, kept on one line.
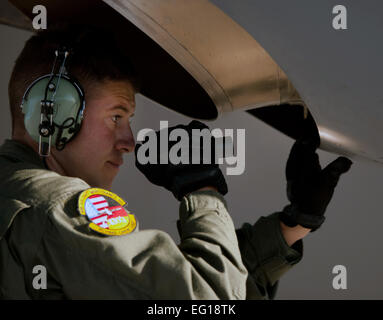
{"points": [[106, 212]]}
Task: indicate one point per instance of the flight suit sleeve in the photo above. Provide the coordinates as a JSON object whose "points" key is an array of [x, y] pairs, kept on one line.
{"points": [[266, 255], [145, 264]]}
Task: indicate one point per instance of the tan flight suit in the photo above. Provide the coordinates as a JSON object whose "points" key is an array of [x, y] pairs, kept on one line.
{"points": [[40, 225]]}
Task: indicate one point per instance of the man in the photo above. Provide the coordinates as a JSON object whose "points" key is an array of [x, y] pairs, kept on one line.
{"points": [[56, 207]]}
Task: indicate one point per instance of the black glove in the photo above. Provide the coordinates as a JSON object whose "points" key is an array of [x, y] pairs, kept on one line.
{"points": [[182, 179], [309, 188]]}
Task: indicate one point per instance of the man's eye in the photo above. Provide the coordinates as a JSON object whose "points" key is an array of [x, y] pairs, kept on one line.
{"points": [[115, 118]]}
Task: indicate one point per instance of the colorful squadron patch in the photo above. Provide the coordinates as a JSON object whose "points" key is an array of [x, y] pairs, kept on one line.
{"points": [[106, 212]]}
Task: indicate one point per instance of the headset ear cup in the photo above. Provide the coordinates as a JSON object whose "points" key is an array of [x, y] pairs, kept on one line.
{"points": [[60, 145], [68, 118], [67, 109], [46, 129], [32, 105]]}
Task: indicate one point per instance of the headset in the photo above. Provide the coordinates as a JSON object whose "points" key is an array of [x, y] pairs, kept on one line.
{"points": [[53, 106]]}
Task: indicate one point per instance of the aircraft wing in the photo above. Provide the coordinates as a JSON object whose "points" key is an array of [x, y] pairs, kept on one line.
{"points": [[281, 61]]}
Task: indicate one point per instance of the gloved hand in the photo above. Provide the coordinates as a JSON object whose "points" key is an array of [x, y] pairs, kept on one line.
{"points": [[309, 188], [182, 179]]}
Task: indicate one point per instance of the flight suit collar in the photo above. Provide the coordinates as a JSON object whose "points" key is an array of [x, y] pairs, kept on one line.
{"points": [[19, 151]]}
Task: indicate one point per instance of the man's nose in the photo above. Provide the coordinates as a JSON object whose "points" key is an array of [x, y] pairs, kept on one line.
{"points": [[125, 140]]}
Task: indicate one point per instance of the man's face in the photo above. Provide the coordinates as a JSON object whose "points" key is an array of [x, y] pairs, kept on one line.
{"points": [[95, 154]]}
